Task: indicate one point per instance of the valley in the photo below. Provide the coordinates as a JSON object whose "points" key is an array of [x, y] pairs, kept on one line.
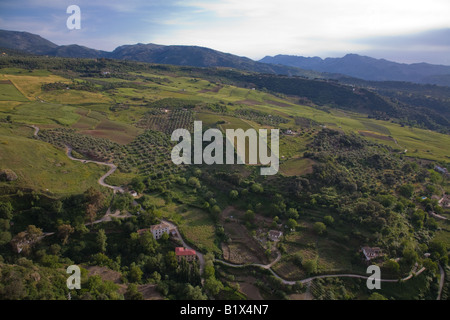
{"points": [[347, 180]]}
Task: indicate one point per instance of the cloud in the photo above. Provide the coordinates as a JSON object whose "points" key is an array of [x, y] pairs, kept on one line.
{"points": [[252, 28], [255, 27]]}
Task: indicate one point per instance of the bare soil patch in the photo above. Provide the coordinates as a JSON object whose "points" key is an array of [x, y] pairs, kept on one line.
{"points": [[241, 248], [375, 135], [248, 102], [248, 288], [277, 103]]}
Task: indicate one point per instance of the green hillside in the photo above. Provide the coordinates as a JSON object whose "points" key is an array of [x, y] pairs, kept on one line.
{"points": [[347, 179]]}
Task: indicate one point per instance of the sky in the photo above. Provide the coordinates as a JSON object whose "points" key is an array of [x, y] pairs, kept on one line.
{"points": [[406, 31]]}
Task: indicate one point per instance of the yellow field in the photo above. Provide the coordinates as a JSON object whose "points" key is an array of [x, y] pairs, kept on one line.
{"points": [[30, 86]]}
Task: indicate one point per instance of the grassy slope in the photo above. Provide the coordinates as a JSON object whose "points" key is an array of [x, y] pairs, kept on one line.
{"points": [[89, 113], [36, 162], [41, 166]]}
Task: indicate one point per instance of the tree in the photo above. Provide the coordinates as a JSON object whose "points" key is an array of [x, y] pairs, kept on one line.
{"points": [[132, 293], [329, 220], [215, 210], [410, 256], [101, 240], [91, 212], [392, 266], [135, 273], [234, 194], [57, 206], [138, 185], [249, 216], [292, 213], [310, 266], [94, 197], [5, 237], [64, 231], [377, 296], [96, 288], [171, 260], [6, 210], [406, 190], [430, 265], [122, 201], [148, 242], [257, 188], [292, 224], [438, 250], [418, 218], [319, 228], [194, 293], [194, 182], [298, 259], [213, 286]]}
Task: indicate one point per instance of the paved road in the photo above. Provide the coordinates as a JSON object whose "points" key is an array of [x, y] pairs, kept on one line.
{"points": [[101, 181], [36, 129], [201, 259], [303, 281]]}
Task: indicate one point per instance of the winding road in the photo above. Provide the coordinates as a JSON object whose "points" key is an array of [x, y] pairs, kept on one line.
{"points": [[201, 259], [344, 275], [101, 180], [200, 256]]}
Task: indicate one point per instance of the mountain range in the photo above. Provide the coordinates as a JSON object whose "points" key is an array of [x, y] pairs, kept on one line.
{"points": [[367, 68], [351, 65]]}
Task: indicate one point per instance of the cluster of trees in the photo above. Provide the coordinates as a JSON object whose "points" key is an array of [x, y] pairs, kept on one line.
{"points": [[260, 117], [167, 122]]}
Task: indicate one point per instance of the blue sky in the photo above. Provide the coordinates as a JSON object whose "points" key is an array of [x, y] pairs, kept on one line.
{"points": [[399, 30]]}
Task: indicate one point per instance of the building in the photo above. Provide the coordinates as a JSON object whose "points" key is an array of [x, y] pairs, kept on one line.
{"points": [[275, 235], [441, 170], [188, 254], [159, 229], [445, 201], [371, 253], [134, 193]]}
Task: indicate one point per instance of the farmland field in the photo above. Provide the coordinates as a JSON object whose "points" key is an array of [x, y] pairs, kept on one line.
{"points": [[346, 180], [8, 92]]}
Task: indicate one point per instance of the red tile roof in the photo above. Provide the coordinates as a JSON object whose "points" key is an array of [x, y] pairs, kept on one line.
{"points": [[180, 251]]}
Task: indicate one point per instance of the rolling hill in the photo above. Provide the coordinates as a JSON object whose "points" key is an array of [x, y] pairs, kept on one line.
{"points": [[176, 55], [351, 65], [367, 68]]}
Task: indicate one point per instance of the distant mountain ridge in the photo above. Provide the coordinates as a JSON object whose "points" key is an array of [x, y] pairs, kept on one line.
{"points": [[367, 68], [351, 65], [152, 53]]}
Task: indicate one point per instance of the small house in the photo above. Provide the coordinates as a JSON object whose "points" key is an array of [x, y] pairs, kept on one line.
{"points": [[184, 253], [275, 235], [371, 252], [134, 193], [159, 229]]}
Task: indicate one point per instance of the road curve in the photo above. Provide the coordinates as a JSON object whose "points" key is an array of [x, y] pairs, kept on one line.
{"points": [[101, 180], [113, 167], [201, 259], [36, 129], [303, 281]]}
